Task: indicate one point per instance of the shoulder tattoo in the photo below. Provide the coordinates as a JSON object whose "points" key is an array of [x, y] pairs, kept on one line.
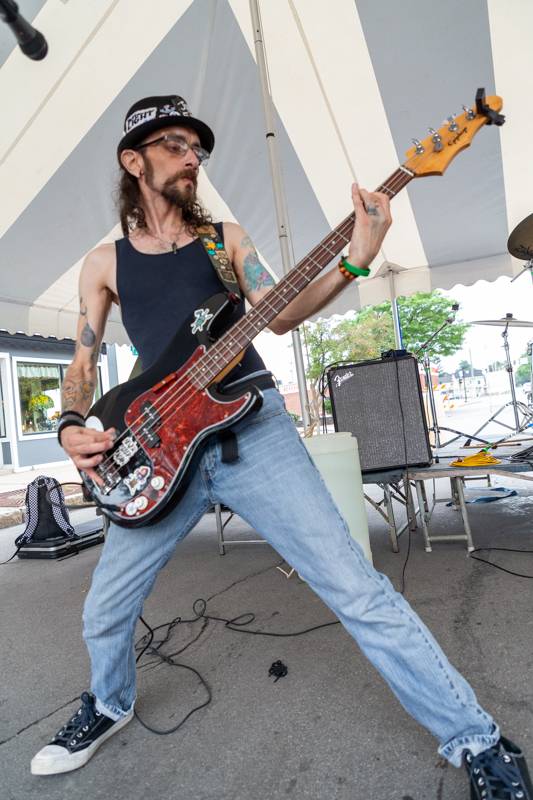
{"points": [[255, 275]]}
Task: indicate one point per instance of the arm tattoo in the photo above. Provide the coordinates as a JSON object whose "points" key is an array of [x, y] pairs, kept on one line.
{"points": [[83, 308], [77, 393], [255, 275], [88, 336]]}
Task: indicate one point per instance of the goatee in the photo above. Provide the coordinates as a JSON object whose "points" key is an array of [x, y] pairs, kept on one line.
{"points": [[181, 198]]}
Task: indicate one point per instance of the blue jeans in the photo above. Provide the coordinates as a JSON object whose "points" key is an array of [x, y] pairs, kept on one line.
{"points": [[276, 488]]}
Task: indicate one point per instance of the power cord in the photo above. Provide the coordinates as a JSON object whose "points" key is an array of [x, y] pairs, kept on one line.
{"points": [[497, 566], [407, 487], [146, 645]]}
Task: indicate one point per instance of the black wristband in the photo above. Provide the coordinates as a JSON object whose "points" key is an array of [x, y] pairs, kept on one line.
{"points": [[66, 423], [71, 413]]}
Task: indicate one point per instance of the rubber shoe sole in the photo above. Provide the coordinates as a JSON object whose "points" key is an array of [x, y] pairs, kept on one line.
{"points": [[54, 759]]}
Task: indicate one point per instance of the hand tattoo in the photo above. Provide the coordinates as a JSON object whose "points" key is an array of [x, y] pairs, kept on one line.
{"points": [[76, 392]]}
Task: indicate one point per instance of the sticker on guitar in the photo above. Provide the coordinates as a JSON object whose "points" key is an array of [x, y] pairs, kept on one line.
{"points": [[201, 318]]}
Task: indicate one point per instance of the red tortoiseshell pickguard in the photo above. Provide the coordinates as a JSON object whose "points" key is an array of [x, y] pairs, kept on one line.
{"points": [[185, 412]]}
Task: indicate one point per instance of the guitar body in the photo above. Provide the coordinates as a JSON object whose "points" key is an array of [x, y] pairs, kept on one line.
{"points": [[163, 421]]}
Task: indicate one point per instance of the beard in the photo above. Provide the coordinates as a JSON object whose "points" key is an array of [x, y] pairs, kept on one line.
{"points": [[180, 198]]}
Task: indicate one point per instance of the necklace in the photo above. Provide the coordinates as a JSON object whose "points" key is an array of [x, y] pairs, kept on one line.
{"points": [[173, 245]]}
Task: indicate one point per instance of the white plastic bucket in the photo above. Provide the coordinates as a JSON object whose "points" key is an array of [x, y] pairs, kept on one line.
{"points": [[336, 456]]}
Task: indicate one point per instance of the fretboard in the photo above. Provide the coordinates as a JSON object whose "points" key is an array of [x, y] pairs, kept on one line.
{"points": [[239, 336]]}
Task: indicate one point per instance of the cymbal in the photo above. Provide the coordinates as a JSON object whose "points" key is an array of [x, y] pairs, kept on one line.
{"points": [[508, 320], [520, 242]]}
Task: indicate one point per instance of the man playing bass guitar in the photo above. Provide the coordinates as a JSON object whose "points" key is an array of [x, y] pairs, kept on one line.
{"points": [[159, 274]]}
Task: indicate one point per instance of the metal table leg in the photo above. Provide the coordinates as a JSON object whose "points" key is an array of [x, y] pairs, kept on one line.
{"points": [[409, 505], [464, 513], [391, 520], [422, 505]]}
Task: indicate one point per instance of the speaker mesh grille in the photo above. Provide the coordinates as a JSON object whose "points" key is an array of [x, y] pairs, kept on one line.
{"points": [[368, 399]]}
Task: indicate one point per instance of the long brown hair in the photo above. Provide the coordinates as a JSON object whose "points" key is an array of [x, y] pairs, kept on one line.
{"points": [[131, 212]]}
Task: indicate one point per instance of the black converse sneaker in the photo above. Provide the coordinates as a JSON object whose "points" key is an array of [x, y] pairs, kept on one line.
{"points": [[78, 740], [499, 773]]}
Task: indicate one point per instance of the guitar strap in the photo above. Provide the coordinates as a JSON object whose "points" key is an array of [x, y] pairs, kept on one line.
{"points": [[222, 265]]}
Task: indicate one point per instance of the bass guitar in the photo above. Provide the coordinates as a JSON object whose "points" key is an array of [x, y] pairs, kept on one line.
{"points": [[166, 414]]}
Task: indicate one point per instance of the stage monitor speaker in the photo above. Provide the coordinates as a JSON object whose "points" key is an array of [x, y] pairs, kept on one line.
{"points": [[380, 402]]}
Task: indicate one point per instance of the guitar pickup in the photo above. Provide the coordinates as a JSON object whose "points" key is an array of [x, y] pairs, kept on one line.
{"points": [[150, 438]]}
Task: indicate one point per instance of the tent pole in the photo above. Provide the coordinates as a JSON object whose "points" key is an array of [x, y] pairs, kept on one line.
{"points": [[395, 313], [279, 197]]}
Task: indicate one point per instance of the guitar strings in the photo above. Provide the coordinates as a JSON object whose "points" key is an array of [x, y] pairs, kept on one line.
{"points": [[173, 394]]}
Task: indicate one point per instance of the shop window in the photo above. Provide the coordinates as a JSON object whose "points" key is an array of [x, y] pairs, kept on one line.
{"points": [[40, 395]]}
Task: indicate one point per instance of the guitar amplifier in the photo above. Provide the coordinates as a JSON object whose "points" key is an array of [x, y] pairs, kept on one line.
{"points": [[380, 402]]}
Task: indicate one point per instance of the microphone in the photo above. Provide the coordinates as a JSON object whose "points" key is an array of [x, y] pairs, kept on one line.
{"points": [[31, 42]]}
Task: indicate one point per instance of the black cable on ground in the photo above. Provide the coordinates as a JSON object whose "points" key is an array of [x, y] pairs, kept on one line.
{"points": [[146, 645], [497, 566]]}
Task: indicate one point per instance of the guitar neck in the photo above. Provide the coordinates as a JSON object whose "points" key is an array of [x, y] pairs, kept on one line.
{"points": [[239, 336]]}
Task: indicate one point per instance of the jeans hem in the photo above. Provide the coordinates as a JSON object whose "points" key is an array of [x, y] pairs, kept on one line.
{"points": [[453, 750], [112, 712]]}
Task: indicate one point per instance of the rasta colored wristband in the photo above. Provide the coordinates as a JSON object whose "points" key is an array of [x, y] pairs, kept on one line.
{"points": [[352, 269]]}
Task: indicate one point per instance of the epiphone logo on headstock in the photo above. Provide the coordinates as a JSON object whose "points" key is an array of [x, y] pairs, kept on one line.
{"points": [[457, 137]]}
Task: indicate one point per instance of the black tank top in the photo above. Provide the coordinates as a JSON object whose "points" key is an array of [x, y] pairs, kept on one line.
{"points": [[159, 292]]}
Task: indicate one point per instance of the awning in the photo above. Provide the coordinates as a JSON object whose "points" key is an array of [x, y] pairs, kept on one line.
{"points": [[352, 83]]}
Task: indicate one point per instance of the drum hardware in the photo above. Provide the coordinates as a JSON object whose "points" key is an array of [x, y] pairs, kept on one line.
{"points": [[520, 245], [523, 416], [426, 364]]}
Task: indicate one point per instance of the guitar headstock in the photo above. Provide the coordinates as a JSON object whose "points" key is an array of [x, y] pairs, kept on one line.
{"points": [[432, 155]]}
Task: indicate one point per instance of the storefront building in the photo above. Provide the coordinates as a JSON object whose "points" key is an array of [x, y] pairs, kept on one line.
{"points": [[32, 370]]}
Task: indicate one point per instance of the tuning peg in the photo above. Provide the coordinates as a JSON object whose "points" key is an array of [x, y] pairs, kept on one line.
{"points": [[453, 126], [470, 113], [418, 146], [436, 139]]}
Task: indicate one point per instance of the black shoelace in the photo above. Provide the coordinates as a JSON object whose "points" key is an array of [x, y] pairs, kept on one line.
{"points": [[497, 774], [80, 723]]}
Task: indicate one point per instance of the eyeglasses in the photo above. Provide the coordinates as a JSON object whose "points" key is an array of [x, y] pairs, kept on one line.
{"points": [[178, 146]]}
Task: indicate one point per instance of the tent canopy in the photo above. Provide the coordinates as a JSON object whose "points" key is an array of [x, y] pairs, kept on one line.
{"points": [[352, 83]]}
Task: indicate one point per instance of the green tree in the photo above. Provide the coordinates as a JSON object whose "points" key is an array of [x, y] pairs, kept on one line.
{"points": [[522, 374], [370, 331]]}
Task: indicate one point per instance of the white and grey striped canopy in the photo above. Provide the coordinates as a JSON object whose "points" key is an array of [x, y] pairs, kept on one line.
{"points": [[352, 81]]}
